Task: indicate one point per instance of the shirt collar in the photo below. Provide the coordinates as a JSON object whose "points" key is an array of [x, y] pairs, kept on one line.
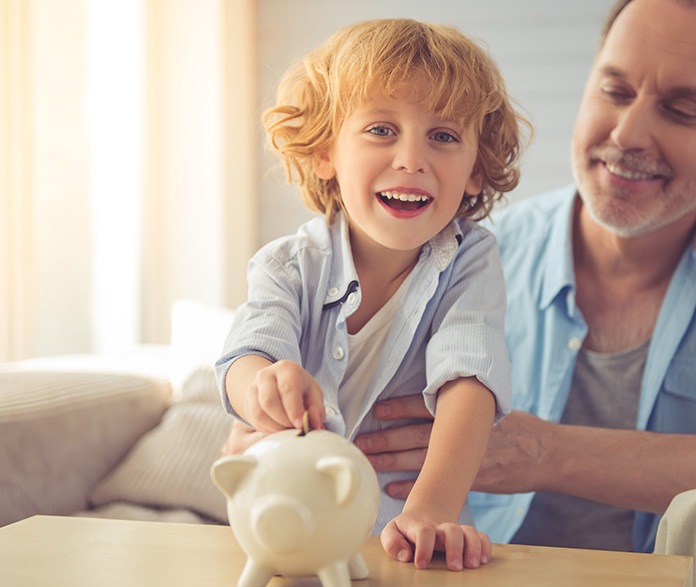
{"points": [[445, 244], [559, 274], [343, 274], [344, 278]]}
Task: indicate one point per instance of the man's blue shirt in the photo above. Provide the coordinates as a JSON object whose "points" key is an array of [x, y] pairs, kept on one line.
{"points": [[545, 330]]}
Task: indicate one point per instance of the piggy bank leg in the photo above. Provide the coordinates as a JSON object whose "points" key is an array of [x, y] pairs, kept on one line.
{"points": [[335, 575], [357, 568], [255, 575]]}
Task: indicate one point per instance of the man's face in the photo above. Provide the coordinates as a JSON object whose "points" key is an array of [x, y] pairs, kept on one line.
{"points": [[634, 144]]}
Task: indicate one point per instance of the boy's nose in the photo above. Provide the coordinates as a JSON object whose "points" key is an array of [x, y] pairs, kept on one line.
{"points": [[410, 156]]}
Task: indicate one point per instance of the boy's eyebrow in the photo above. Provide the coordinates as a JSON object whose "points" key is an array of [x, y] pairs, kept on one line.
{"points": [[376, 111], [386, 112]]}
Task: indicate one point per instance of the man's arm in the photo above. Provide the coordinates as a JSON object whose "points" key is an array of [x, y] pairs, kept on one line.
{"points": [[625, 468]]}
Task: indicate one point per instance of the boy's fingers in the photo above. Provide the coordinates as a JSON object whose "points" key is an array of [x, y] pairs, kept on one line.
{"points": [[425, 546], [486, 548], [273, 404], [473, 546], [452, 537], [291, 390], [261, 420], [394, 543], [314, 403]]}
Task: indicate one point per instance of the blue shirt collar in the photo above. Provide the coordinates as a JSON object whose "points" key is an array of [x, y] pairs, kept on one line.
{"points": [[559, 276]]}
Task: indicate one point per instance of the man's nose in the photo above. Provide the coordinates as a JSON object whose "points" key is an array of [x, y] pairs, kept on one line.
{"points": [[411, 156], [634, 126]]}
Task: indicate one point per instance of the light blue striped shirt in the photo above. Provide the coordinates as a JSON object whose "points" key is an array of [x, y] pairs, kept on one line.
{"points": [[302, 288], [545, 330]]}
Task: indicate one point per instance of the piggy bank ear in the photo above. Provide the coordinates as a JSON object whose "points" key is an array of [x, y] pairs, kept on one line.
{"points": [[227, 472], [344, 475]]}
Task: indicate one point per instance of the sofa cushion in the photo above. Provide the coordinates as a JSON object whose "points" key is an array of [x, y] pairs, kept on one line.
{"points": [[169, 467], [62, 431]]}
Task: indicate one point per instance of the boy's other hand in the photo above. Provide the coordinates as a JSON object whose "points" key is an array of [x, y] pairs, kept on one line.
{"points": [[415, 535]]}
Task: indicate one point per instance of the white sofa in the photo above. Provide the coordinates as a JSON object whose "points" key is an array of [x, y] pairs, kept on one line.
{"points": [[129, 434]]}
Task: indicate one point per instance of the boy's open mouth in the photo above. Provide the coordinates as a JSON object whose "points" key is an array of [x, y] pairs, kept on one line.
{"points": [[404, 201]]}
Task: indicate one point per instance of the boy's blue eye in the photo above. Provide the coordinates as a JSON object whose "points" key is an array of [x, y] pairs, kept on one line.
{"points": [[444, 137], [380, 131]]}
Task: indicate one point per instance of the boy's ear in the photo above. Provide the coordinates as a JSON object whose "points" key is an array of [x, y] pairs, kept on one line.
{"points": [[474, 185], [323, 165]]}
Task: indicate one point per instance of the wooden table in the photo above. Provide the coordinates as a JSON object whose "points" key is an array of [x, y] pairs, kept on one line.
{"points": [[76, 552]]}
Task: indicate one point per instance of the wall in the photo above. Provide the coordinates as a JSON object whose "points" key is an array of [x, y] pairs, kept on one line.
{"points": [[127, 167], [543, 47]]}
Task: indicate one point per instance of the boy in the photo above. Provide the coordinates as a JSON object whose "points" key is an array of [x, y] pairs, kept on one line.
{"points": [[399, 133]]}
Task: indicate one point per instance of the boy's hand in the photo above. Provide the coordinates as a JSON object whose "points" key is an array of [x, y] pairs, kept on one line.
{"points": [[279, 395], [464, 546]]}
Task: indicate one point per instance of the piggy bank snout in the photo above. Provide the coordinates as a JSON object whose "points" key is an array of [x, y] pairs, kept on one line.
{"points": [[281, 524]]}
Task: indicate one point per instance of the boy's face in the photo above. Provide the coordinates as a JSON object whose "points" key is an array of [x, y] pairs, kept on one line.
{"points": [[402, 171]]}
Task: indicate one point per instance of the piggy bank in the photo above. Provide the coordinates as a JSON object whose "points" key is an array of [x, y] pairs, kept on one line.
{"points": [[300, 504]]}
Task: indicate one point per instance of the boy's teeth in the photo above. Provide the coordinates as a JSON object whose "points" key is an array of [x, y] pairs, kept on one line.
{"points": [[405, 197]]}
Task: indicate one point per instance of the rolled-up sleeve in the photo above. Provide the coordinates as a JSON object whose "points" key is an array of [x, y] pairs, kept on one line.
{"points": [[468, 337]]}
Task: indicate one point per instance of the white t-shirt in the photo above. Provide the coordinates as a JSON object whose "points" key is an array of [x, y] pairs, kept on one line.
{"points": [[364, 350]]}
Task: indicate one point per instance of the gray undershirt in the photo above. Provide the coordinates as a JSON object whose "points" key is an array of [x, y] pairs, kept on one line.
{"points": [[604, 393]]}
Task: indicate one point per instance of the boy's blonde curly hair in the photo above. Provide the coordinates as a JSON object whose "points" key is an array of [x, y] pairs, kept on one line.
{"points": [[316, 95]]}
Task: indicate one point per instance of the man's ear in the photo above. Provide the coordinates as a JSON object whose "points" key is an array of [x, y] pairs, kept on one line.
{"points": [[323, 165]]}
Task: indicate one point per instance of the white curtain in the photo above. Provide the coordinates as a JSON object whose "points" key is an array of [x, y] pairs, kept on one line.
{"points": [[127, 167]]}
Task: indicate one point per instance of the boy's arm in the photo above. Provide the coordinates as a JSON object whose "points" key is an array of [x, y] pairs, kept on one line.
{"points": [[463, 424], [239, 376]]}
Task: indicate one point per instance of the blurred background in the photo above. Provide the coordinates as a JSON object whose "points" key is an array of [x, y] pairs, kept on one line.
{"points": [[133, 171]]}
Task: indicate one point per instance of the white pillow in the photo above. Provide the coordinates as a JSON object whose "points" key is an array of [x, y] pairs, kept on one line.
{"points": [[198, 332], [169, 467], [61, 432]]}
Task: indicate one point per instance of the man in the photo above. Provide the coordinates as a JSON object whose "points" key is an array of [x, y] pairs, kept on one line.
{"points": [[601, 327], [601, 324]]}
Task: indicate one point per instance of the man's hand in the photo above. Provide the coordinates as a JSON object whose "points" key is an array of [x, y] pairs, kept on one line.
{"points": [[240, 438], [513, 462], [402, 448]]}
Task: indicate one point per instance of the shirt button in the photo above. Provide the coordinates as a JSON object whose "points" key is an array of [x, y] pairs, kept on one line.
{"points": [[520, 511], [339, 353], [330, 411], [333, 291], [574, 344], [351, 298]]}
